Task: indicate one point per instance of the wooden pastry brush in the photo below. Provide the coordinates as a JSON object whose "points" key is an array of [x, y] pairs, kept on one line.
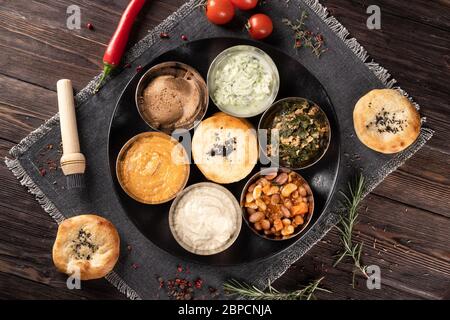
{"points": [[73, 162]]}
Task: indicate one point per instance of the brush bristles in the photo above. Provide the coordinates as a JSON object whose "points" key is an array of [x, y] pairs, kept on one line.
{"points": [[75, 181]]}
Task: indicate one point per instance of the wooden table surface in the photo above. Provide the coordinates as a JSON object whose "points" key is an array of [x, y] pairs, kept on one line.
{"points": [[405, 222]]}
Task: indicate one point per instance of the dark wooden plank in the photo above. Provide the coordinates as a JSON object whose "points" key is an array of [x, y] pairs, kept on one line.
{"points": [[36, 222], [14, 196], [433, 13], [37, 47], [435, 106], [23, 113], [423, 182], [23, 107], [25, 252], [416, 54], [27, 98], [407, 187], [57, 52], [415, 74], [429, 164], [29, 271], [27, 289], [412, 244], [409, 251], [409, 245]]}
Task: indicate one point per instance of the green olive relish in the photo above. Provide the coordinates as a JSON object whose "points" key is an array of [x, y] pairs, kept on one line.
{"points": [[303, 130]]}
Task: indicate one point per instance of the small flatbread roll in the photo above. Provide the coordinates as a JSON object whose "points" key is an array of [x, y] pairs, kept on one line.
{"points": [[225, 148], [87, 244], [386, 121]]}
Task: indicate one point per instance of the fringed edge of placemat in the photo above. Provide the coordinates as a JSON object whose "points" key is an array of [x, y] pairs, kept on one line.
{"points": [[48, 206], [371, 182], [324, 226], [13, 164], [84, 94], [381, 73]]}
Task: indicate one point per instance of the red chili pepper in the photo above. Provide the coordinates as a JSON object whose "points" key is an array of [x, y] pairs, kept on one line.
{"points": [[119, 40]]}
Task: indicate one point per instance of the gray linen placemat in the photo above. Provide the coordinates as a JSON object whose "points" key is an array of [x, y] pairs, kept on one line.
{"points": [[346, 73]]}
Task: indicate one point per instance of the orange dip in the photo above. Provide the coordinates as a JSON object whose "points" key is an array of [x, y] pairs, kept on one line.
{"points": [[152, 167]]}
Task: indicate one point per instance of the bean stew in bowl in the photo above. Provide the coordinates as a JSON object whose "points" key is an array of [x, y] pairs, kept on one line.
{"points": [[277, 203]]}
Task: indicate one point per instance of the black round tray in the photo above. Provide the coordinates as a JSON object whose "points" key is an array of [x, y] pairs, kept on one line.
{"points": [[152, 220]]}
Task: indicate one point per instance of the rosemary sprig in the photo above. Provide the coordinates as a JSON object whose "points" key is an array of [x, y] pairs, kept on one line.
{"points": [[246, 291], [306, 38], [347, 224]]}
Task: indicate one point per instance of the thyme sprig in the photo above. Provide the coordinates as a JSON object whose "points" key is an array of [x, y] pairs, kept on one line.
{"points": [[351, 202], [304, 37], [246, 291]]}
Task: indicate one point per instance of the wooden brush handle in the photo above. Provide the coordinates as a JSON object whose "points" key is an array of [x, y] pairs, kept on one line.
{"points": [[72, 160]]}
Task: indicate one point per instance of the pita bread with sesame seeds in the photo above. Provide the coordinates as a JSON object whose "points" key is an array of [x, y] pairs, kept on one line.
{"points": [[225, 148], [386, 121], [87, 246]]}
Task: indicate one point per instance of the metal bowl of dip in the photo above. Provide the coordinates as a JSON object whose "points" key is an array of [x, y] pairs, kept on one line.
{"points": [[172, 95], [280, 109], [205, 218], [144, 163], [243, 81], [271, 175]]}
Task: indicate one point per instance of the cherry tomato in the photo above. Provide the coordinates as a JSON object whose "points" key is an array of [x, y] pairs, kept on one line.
{"points": [[219, 11], [259, 26], [245, 4]]}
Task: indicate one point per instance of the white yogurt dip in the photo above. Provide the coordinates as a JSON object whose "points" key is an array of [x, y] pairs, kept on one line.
{"points": [[206, 218]]}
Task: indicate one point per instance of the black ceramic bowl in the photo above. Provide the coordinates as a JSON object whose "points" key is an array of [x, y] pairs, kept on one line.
{"points": [[152, 220]]}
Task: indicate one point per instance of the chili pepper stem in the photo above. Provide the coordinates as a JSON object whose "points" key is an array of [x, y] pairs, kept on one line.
{"points": [[107, 69]]}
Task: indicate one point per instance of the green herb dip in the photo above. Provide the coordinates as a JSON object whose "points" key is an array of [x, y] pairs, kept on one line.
{"points": [[243, 84]]}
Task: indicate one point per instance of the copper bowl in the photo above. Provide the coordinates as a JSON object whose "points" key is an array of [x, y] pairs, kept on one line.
{"points": [[307, 217], [176, 69], [216, 65], [122, 154], [172, 213], [265, 123]]}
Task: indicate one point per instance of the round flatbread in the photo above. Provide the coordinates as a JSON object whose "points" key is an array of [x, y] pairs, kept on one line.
{"points": [[86, 245], [386, 121], [225, 148]]}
